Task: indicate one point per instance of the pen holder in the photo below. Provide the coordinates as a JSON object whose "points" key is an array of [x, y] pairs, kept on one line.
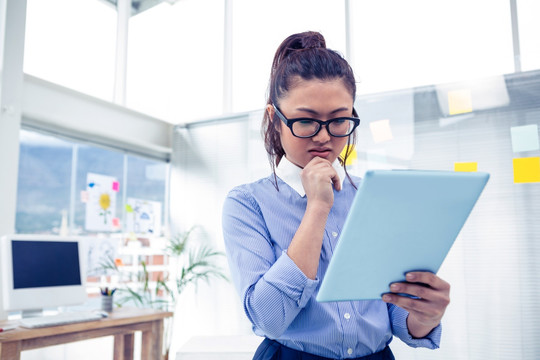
{"points": [[107, 303]]}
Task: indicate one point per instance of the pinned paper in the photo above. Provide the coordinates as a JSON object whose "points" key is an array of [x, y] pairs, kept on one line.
{"points": [[524, 138], [353, 156], [466, 166], [527, 170], [381, 131], [84, 196], [459, 101], [144, 217], [115, 186], [101, 204]]}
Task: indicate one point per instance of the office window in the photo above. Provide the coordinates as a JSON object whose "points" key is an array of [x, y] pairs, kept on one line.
{"points": [[72, 43], [258, 29], [49, 190], [529, 28], [43, 190], [175, 60], [401, 44]]}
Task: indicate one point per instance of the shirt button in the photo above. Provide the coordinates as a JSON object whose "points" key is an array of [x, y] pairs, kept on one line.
{"points": [[334, 234], [349, 351], [347, 316]]}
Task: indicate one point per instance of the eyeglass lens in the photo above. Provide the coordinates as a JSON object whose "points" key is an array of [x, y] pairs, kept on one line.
{"points": [[307, 128]]}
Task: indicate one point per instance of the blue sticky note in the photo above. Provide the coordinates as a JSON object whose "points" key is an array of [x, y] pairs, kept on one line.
{"points": [[525, 138]]}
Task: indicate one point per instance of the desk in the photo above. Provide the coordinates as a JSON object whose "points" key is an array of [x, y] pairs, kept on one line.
{"points": [[122, 324]]}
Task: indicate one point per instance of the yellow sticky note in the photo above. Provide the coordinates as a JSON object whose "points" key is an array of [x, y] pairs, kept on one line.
{"points": [[381, 131], [466, 166], [352, 155], [459, 101], [527, 170]]}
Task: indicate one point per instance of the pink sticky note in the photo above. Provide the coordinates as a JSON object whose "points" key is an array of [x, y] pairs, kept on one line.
{"points": [[116, 222], [84, 196], [116, 186]]}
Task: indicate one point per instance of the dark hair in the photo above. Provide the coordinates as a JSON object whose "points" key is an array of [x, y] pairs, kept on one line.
{"points": [[303, 55]]}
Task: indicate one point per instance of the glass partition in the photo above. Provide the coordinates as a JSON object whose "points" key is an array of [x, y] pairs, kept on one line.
{"points": [[489, 124]]}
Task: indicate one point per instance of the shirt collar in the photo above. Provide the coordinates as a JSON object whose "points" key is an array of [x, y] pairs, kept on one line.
{"points": [[290, 174]]}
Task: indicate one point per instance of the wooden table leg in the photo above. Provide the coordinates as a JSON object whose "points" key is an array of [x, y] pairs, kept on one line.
{"points": [[10, 351], [152, 342], [123, 346]]}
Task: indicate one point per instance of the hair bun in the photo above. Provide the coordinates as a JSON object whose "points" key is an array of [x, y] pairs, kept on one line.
{"points": [[312, 40], [306, 40], [298, 42]]}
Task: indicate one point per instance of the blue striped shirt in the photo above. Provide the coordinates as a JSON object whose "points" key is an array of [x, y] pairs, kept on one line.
{"points": [[259, 223]]}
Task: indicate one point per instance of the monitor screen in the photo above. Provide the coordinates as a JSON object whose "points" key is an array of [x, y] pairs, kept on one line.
{"points": [[42, 272], [45, 263]]}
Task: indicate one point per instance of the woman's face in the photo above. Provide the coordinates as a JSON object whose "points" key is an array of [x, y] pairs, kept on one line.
{"points": [[316, 99]]}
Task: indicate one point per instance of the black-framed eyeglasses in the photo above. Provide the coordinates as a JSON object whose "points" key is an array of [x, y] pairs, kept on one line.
{"points": [[308, 127]]}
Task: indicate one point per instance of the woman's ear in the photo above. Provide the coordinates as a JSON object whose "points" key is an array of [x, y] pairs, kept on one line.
{"points": [[270, 110], [271, 113]]}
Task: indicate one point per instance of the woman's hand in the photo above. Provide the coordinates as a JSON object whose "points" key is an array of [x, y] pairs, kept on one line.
{"points": [[305, 248], [317, 178], [425, 313]]}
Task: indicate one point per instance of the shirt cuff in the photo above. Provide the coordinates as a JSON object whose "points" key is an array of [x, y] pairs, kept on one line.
{"points": [[400, 329], [290, 280]]}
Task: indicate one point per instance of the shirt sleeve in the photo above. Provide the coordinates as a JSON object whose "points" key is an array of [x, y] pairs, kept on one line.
{"points": [[398, 320], [272, 288]]}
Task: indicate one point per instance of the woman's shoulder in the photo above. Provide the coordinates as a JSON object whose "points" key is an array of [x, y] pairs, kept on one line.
{"points": [[251, 195], [252, 189]]}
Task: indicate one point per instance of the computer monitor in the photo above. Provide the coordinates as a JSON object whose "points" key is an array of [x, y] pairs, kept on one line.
{"points": [[42, 272]]}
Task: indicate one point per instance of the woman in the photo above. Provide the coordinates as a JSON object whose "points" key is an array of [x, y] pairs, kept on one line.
{"points": [[280, 231]]}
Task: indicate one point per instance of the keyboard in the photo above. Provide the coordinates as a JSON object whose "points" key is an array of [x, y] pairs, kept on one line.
{"points": [[60, 319]]}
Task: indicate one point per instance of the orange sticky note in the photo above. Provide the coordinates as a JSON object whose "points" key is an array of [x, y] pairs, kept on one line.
{"points": [[381, 131], [466, 166], [459, 101], [527, 170], [352, 155]]}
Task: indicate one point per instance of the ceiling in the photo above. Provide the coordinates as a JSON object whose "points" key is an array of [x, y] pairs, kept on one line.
{"points": [[138, 6]]}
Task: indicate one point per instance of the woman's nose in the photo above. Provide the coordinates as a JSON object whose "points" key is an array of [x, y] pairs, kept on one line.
{"points": [[322, 136]]}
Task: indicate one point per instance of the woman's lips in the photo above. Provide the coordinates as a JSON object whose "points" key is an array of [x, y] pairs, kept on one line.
{"points": [[320, 152]]}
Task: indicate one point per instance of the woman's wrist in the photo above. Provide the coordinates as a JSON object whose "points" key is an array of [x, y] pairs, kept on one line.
{"points": [[318, 207], [419, 330]]}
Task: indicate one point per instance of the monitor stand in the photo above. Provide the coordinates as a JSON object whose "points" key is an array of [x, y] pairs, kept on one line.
{"points": [[30, 313]]}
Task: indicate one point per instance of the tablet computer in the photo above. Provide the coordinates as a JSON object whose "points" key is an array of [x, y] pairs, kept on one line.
{"points": [[399, 221]]}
